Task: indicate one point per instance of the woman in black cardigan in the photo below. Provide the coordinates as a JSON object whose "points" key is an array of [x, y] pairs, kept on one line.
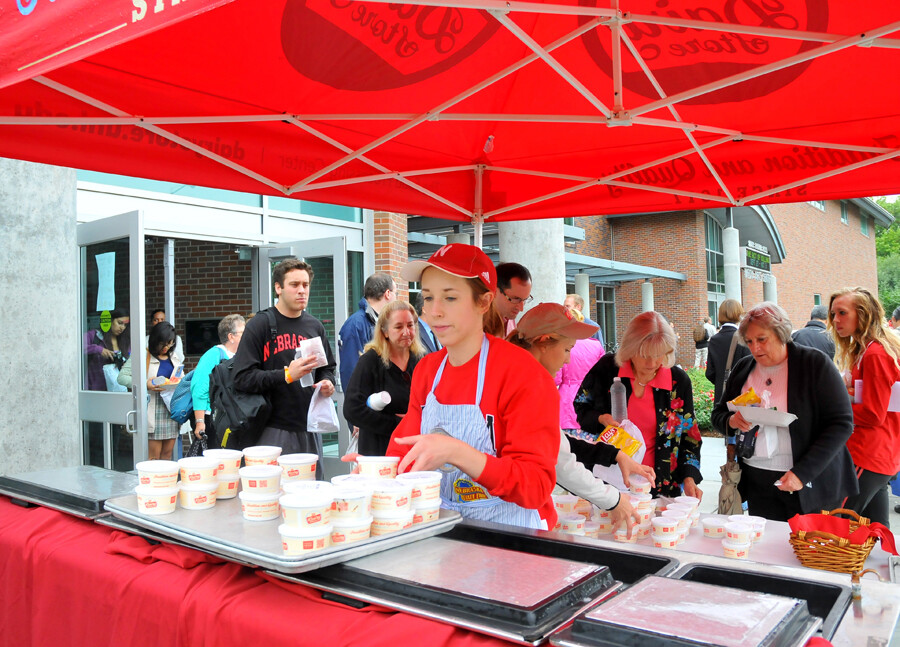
{"points": [[820, 473], [386, 365], [665, 406]]}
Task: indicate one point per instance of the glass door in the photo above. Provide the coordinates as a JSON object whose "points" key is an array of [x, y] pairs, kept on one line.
{"points": [[327, 303], [111, 408]]}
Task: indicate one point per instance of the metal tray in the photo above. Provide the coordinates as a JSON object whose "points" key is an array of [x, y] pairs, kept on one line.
{"points": [[79, 491], [823, 599], [513, 595], [222, 530], [664, 612]]}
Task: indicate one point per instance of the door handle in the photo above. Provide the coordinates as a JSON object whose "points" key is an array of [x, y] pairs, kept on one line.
{"points": [[131, 422]]}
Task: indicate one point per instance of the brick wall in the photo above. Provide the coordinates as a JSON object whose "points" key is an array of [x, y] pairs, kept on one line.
{"points": [[822, 255], [390, 243], [670, 241], [596, 243]]}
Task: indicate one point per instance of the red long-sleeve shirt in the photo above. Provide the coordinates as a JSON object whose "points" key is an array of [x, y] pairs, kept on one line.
{"points": [[875, 442], [519, 393]]}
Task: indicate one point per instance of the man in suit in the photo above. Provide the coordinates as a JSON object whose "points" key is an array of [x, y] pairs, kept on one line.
{"points": [[426, 336], [730, 312], [814, 334]]}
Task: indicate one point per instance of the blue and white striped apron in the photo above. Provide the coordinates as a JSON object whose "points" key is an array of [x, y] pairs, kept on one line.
{"points": [[467, 423]]}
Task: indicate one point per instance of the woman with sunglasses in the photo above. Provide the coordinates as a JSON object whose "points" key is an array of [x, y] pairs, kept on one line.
{"points": [[386, 365], [162, 430]]}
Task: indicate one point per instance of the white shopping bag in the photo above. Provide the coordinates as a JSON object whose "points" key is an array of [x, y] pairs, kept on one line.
{"points": [[322, 417], [612, 474]]}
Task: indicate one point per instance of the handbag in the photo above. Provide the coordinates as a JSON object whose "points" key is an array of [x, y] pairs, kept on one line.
{"points": [[198, 446], [111, 375]]}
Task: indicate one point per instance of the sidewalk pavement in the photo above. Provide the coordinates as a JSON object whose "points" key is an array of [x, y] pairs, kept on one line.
{"points": [[712, 457]]}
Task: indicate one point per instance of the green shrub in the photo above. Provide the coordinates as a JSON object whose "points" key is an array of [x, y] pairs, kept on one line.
{"points": [[703, 398]]}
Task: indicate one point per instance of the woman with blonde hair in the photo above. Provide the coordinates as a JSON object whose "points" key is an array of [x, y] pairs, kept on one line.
{"points": [[868, 354], [660, 404], [387, 364]]}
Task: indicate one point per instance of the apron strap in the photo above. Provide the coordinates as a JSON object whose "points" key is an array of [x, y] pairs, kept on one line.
{"points": [[482, 363]]}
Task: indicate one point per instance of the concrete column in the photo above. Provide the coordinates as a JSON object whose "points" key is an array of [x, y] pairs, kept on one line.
{"points": [[583, 289], [458, 238], [770, 290], [731, 244], [538, 245], [39, 393], [647, 296]]}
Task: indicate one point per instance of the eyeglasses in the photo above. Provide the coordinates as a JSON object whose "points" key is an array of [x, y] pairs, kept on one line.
{"points": [[517, 300]]}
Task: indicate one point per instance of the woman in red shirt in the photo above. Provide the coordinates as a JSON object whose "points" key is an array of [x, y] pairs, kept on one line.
{"points": [[867, 354]]}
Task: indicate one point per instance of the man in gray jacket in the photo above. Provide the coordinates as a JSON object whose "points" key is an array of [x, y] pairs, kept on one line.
{"points": [[814, 333]]}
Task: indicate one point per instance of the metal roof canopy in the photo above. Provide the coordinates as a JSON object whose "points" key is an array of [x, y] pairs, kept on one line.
{"points": [[606, 272]]}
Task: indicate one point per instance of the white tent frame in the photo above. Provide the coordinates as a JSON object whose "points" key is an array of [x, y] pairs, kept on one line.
{"points": [[617, 116]]}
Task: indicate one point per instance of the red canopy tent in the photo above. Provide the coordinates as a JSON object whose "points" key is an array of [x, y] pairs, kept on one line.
{"points": [[465, 109]]}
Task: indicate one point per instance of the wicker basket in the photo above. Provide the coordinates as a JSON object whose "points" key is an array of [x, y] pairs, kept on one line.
{"points": [[829, 552]]}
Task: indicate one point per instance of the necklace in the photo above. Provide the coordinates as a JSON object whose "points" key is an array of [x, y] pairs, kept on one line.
{"points": [[648, 381]]}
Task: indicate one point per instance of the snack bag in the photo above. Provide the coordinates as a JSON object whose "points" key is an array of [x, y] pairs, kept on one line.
{"points": [[618, 437], [747, 399]]}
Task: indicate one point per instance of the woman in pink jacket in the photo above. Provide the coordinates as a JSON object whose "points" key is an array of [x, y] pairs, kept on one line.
{"points": [[583, 356]]}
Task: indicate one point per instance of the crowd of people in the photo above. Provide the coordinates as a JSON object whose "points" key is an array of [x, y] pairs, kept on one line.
{"points": [[513, 405]]}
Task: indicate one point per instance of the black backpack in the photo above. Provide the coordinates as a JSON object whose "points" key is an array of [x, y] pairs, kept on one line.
{"points": [[240, 415]]}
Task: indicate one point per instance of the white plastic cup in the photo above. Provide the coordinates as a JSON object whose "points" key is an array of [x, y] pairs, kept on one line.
{"points": [[714, 527], [738, 533], [260, 478], [299, 541], [352, 503], [643, 502], [426, 512], [621, 534], [681, 516], [692, 501], [158, 474], [155, 500], [311, 508], [259, 506], [664, 527], [564, 503], [347, 531], [426, 486], [391, 496], [229, 459], [378, 401], [385, 522], [736, 550], [639, 484], [228, 486], [293, 487], [592, 529], [197, 496], [198, 469], [261, 455], [381, 467], [298, 467], [572, 523]]}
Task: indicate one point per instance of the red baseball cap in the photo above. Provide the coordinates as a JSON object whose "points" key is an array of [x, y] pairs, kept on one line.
{"points": [[465, 261]]}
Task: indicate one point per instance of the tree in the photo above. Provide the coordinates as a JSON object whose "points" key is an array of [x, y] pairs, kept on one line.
{"points": [[887, 251], [887, 240]]}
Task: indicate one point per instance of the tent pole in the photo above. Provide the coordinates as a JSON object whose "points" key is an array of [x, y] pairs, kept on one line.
{"points": [[478, 213], [615, 28]]}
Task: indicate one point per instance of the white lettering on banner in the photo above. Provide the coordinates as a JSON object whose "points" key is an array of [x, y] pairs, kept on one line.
{"points": [[756, 275], [140, 8]]}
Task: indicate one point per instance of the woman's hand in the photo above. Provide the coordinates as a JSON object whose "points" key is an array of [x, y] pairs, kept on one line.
{"points": [[737, 421], [153, 387], [607, 420], [691, 489], [625, 513], [432, 451], [628, 466], [789, 482], [108, 354], [351, 458]]}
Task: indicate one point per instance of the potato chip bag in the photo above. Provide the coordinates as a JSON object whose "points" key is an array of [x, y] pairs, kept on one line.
{"points": [[747, 399], [618, 437]]}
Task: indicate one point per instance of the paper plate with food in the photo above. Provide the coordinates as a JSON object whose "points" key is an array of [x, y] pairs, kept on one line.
{"points": [[755, 411]]}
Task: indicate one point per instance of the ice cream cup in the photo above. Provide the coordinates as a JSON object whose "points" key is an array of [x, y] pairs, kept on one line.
{"points": [[388, 521], [682, 535], [156, 500], [391, 496], [714, 527], [158, 474], [572, 523], [681, 516], [665, 542], [689, 509], [584, 508], [639, 484], [261, 455], [260, 478], [351, 503], [664, 527], [692, 501], [604, 526], [643, 502], [347, 531], [197, 496], [299, 541], [229, 459], [759, 527], [602, 515], [294, 487], [736, 550], [426, 512], [381, 467], [259, 506], [592, 529], [298, 467], [621, 534], [564, 503], [309, 508], [425, 485], [642, 531], [738, 533], [228, 486], [645, 517], [198, 469], [738, 518]]}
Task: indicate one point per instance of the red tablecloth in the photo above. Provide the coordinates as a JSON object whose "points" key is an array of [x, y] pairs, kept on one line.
{"points": [[67, 581]]}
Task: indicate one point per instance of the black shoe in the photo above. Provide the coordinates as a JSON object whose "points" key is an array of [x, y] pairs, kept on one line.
{"points": [[897, 508]]}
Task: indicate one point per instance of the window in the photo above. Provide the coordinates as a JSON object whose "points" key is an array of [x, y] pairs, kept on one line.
{"points": [[864, 224], [569, 221], [715, 259], [818, 204], [606, 314], [845, 218], [817, 299]]}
